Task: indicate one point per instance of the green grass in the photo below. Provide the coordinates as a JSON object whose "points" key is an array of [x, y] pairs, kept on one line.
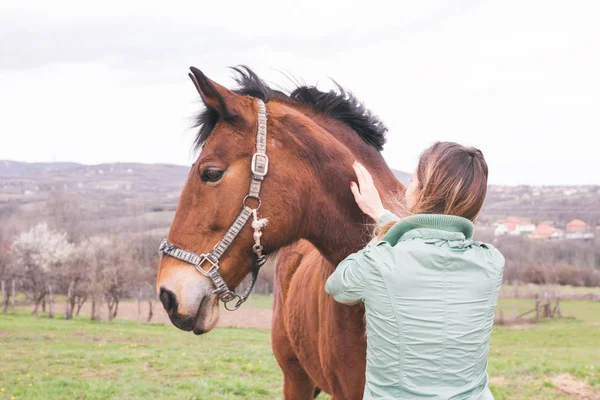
{"points": [[80, 359], [259, 301], [528, 357], [561, 289], [587, 311], [44, 358]]}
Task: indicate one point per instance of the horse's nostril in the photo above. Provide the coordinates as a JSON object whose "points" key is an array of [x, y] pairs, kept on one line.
{"points": [[168, 300]]}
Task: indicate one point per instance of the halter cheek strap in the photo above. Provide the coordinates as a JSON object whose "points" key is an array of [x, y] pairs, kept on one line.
{"points": [[259, 168]]}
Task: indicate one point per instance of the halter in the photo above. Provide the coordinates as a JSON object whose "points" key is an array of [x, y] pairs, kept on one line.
{"points": [[259, 168]]}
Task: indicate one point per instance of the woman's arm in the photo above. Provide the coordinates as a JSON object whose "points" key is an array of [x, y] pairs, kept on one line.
{"points": [[348, 281]]}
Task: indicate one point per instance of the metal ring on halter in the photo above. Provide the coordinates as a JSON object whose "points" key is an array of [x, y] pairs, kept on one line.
{"points": [[252, 197], [257, 248], [237, 304]]}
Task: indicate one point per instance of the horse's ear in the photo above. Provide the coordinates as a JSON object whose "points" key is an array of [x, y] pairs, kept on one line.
{"points": [[229, 105]]}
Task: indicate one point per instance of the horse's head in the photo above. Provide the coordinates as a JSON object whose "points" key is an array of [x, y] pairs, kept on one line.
{"points": [[300, 195]]}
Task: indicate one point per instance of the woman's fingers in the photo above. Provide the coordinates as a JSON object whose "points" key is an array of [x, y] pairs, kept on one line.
{"points": [[358, 174], [355, 191], [365, 193], [359, 170], [364, 177], [367, 174]]}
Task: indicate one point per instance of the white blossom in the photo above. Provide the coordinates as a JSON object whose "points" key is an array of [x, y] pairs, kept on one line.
{"points": [[41, 248]]}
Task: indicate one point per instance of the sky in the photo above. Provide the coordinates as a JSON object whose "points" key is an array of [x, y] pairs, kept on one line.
{"points": [[97, 82]]}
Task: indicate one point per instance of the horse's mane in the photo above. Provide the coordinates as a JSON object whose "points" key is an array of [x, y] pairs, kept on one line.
{"points": [[340, 105]]}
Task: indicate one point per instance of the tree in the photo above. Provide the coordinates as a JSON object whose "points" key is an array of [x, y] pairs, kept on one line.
{"points": [[92, 254], [6, 276], [38, 254], [143, 262], [107, 267], [74, 283]]}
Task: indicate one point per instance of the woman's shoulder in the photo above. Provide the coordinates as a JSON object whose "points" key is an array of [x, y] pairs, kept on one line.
{"points": [[491, 252]]}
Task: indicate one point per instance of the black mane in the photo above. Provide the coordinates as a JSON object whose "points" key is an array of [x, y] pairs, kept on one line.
{"points": [[342, 106]]}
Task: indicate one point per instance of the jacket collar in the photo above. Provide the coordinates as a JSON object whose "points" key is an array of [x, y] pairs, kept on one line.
{"points": [[430, 226]]}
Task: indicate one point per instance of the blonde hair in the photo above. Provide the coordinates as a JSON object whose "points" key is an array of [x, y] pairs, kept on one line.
{"points": [[452, 180]]}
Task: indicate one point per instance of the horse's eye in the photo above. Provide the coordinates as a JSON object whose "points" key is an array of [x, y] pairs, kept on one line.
{"points": [[211, 175]]}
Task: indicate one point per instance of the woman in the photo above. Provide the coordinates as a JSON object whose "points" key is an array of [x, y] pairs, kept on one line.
{"points": [[429, 290]]}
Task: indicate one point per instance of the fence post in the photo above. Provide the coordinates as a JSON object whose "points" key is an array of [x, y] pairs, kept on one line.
{"points": [[50, 302], [150, 312], [4, 299], [557, 308], [13, 295], [139, 301], [93, 316], [68, 310]]}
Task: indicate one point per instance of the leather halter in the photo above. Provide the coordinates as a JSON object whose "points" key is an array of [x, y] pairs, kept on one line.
{"points": [[259, 168]]}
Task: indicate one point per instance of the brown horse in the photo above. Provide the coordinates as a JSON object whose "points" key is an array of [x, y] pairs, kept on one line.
{"points": [[313, 222]]}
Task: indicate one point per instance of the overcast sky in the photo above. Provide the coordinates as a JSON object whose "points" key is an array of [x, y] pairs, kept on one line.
{"points": [[96, 82]]}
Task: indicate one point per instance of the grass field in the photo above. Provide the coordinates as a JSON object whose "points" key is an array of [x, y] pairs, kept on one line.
{"points": [[511, 290], [42, 358]]}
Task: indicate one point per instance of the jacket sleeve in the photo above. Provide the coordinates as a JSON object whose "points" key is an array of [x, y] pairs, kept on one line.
{"points": [[388, 216], [348, 281]]}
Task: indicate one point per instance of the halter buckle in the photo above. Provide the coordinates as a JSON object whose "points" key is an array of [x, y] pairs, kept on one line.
{"points": [[214, 264], [260, 165]]}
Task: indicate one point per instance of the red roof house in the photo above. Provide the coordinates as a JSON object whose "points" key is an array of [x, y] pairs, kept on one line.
{"points": [[546, 231], [578, 225]]}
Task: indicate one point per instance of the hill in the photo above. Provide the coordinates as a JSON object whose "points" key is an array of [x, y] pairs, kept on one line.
{"points": [[135, 196], [115, 197], [558, 204]]}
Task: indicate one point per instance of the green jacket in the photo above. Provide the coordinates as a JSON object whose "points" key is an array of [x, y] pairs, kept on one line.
{"points": [[429, 293]]}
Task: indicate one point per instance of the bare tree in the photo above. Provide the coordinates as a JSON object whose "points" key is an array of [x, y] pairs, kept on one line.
{"points": [[74, 281], [93, 255], [6, 277], [108, 272], [142, 250]]}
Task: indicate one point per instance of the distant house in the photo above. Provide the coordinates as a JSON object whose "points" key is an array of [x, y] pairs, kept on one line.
{"points": [[546, 231], [577, 229], [513, 226], [577, 225]]}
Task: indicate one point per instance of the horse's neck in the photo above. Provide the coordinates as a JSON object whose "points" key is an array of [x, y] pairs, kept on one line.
{"points": [[337, 226], [390, 189]]}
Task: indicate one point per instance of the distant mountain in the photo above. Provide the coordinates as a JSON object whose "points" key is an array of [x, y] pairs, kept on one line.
{"points": [[33, 179], [16, 168], [121, 194], [558, 204], [30, 179], [90, 198]]}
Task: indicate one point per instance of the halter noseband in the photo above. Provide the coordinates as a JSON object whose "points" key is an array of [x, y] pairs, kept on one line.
{"points": [[259, 168]]}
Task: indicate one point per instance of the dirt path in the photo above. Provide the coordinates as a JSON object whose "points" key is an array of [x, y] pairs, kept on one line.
{"points": [[245, 317]]}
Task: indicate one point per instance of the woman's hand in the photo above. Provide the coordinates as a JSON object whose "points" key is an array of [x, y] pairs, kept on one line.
{"points": [[366, 194]]}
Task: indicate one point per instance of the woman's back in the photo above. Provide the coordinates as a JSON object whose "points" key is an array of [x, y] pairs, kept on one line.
{"points": [[429, 302], [429, 291]]}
